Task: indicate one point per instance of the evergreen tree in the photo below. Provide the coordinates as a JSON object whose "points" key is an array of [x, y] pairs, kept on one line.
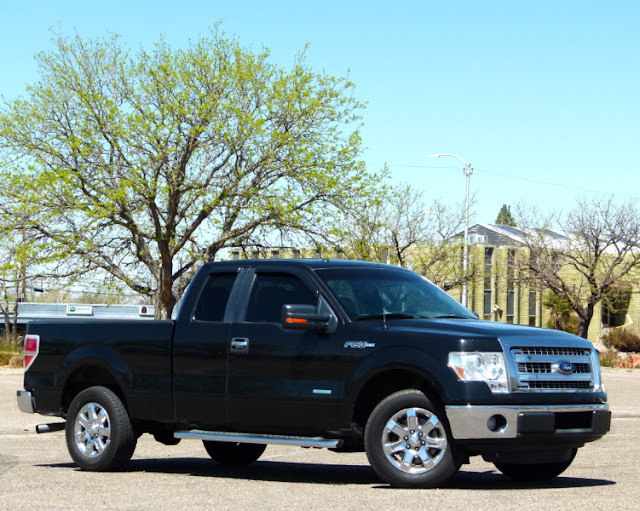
{"points": [[505, 217]]}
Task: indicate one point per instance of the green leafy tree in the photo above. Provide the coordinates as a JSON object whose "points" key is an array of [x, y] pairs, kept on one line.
{"points": [[27, 260], [144, 164], [505, 217], [561, 315]]}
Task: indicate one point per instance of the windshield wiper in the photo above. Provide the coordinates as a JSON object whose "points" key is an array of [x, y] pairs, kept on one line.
{"points": [[386, 315]]}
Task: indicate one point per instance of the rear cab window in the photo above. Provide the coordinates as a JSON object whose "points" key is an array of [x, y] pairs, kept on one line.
{"points": [[213, 300]]}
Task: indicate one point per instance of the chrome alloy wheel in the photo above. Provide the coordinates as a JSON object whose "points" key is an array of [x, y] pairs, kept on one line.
{"points": [[92, 430], [414, 440]]}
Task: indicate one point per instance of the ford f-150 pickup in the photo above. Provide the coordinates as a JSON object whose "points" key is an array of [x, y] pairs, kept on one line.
{"points": [[345, 355]]}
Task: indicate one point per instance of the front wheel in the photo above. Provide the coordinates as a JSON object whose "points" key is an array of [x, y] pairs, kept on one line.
{"points": [[534, 472], [98, 431], [233, 453], [408, 443]]}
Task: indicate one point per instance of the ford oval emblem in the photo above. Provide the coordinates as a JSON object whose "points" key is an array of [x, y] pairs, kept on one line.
{"points": [[565, 367]]}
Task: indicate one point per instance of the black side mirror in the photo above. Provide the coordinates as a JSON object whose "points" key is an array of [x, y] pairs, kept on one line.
{"points": [[305, 317]]}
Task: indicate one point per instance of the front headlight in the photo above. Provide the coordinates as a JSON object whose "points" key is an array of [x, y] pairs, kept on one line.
{"points": [[488, 367]]}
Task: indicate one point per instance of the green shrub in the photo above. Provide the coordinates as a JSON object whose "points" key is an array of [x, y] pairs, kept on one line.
{"points": [[621, 339], [561, 315], [566, 323], [608, 358]]}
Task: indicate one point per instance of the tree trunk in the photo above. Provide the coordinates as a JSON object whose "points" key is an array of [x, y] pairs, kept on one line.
{"points": [[14, 329], [7, 324], [583, 327], [164, 298], [163, 305]]}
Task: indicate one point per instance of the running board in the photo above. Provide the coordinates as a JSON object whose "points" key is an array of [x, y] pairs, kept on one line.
{"points": [[222, 436]]}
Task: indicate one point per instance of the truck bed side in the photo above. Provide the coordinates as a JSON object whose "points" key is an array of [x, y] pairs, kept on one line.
{"points": [[132, 356]]}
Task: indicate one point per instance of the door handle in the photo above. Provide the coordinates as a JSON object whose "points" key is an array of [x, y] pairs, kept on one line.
{"points": [[240, 344]]}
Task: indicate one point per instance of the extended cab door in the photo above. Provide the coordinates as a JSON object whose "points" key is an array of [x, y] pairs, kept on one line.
{"points": [[281, 379], [201, 345]]}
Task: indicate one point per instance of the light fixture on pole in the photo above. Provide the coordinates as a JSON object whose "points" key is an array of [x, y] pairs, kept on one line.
{"points": [[465, 249]]}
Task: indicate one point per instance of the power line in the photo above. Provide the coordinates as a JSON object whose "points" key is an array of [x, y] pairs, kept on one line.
{"points": [[415, 166], [519, 178], [557, 185]]}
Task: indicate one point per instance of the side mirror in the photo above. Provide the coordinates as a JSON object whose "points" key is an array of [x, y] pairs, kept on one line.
{"points": [[306, 317]]}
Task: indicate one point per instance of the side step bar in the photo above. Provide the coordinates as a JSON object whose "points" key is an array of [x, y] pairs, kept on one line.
{"points": [[222, 436]]}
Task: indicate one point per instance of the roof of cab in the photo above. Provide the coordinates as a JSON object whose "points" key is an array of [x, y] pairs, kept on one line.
{"points": [[313, 264]]}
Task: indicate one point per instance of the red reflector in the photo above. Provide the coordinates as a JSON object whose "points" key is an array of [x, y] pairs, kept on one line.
{"points": [[31, 344], [295, 320], [31, 349]]}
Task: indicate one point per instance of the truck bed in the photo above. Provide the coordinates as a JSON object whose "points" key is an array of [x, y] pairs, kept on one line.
{"points": [[136, 354]]}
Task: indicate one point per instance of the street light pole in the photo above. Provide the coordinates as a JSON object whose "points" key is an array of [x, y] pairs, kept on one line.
{"points": [[465, 249]]}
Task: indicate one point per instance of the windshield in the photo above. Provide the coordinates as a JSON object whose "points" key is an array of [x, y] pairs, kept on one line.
{"points": [[367, 293]]}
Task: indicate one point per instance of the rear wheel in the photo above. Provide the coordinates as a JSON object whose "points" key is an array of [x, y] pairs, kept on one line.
{"points": [[408, 443], [534, 472], [98, 431], [233, 453]]}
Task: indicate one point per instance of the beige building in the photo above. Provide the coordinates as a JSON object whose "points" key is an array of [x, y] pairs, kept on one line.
{"points": [[499, 294]]}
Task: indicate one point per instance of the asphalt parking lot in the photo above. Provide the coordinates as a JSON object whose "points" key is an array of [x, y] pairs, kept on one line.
{"points": [[36, 473]]}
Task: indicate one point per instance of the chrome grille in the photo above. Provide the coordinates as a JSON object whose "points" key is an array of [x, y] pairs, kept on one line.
{"points": [[553, 385], [542, 368], [547, 367], [541, 350]]}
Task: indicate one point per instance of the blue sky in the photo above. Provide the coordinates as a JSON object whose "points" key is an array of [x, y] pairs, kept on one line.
{"points": [[542, 97]]}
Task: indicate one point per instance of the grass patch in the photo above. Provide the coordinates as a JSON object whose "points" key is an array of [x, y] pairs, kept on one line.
{"points": [[11, 359], [10, 352]]}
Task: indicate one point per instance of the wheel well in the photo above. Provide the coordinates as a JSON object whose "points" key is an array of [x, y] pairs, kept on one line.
{"points": [[86, 377], [385, 384]]}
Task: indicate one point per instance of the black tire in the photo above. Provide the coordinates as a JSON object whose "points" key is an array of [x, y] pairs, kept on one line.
{"points": [[98, 431], [534, 472], [418, 452], [233, 453]]}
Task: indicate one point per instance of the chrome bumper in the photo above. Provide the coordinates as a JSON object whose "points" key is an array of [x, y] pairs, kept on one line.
{"points": [[495, 422], [25, 401]]}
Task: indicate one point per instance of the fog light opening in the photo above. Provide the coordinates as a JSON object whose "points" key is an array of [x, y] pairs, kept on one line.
{"points": [[497, 423]]}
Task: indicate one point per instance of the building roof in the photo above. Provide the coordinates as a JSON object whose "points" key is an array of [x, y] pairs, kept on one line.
{"points": [[508, 236]]}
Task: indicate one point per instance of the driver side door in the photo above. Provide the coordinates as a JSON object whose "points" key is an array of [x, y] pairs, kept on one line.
{"points": [[281, 379]]}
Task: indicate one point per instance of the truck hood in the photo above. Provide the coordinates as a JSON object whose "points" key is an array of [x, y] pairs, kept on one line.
{"points": [[481, 329]]}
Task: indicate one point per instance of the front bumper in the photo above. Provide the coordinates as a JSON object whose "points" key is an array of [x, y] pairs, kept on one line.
{"points": [[26, 402], [587, 422]]}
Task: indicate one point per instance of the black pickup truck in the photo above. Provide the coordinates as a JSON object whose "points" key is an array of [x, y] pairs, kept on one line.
{"points": [[345, 355]]}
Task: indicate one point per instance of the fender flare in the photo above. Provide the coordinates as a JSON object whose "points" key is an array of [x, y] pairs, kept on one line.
{"points": [[96, 355], [415, 360]]}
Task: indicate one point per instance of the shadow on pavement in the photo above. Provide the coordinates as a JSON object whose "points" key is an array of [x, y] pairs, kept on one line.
{"points": [[286, 472], [494, 480]]}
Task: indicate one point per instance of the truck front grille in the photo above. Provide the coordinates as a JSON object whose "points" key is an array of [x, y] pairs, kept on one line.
{"points": [[542, 350], [547, 367], [542, 368], [553, 385]]}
